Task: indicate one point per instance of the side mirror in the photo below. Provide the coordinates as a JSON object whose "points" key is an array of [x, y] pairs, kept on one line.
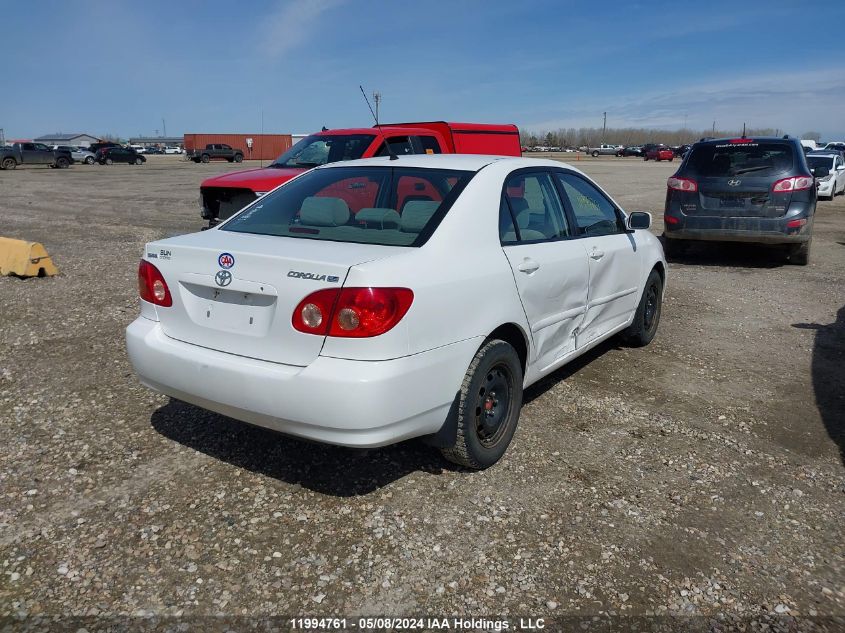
{"points": [[638, 220]]}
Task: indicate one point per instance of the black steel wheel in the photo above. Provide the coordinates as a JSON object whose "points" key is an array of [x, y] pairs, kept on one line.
{"points": [[488, 408], [647, 317]]}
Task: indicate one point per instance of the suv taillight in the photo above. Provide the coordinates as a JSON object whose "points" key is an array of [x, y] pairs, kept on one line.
{"points": [[796, 183], [682, 184], [352, 312], [151, 285]]}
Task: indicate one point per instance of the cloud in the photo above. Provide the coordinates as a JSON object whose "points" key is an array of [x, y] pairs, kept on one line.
{"points": [[792, 101], [290, 25]]}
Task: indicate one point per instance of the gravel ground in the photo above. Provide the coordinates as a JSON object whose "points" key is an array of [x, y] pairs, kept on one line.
{"points": [[699, 477]]}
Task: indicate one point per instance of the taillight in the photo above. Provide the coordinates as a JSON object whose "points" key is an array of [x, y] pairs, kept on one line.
{"points": [[668, 219], [796, 224], [151, 285], [682, 184], [796, 183], [352, 312]]}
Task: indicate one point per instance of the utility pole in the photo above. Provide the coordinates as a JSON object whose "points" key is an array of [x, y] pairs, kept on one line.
{"points": [[163, 127], [604, 127], [713, 130], [2, 137], [377, 99]]}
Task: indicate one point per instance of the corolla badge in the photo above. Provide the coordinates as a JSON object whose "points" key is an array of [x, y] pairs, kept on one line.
{"points": [[226, 260], [223, 278], [734, 182]]}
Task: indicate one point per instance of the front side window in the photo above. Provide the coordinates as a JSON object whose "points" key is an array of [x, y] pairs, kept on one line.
{"points": [[316, 150], [391, 206], [429, 145], [535, 207], [594, 213]]}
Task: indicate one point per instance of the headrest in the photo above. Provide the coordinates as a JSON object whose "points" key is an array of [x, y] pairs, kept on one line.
{"points": [[379, 217], [518, 205], [416, 214], [523, 219], [321, 211]]}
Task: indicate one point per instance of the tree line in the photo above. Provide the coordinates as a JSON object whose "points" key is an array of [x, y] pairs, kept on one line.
{"points": [[591, 136]]}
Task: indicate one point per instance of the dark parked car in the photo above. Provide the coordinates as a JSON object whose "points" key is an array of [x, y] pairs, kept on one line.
{"points": [[96, 147], [109, 155], [743, 190], [631, 150], [214, 151]]}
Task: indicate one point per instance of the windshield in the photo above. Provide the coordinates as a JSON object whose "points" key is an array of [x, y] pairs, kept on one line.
{"points": [[734, 159], [391, 206], [316, 150]]}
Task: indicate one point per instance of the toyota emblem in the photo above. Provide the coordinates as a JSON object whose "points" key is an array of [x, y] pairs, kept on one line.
{"points": [[735, 182], [223, 278]]}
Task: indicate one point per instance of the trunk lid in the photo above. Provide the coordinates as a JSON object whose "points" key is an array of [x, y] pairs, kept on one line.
{"points": [[236, 293], [740, 197]]}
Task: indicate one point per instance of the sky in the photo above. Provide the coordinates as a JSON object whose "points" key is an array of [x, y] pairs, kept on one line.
{"points": [[112, 67]]}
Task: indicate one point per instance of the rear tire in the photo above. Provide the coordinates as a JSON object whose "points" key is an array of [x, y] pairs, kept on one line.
{"points": [[595, 154], [647, 317], [109, 161], [674, 248], [89, 160], [205, 158], [488, 408], [645, 157], [799, 254], [62, 163], [9, 163]]}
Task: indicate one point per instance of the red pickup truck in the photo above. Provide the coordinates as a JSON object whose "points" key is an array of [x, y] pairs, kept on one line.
{"points": [[223, 196]]}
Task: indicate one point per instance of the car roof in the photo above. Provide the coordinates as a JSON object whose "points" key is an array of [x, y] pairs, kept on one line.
{"points": [[465, 162]]}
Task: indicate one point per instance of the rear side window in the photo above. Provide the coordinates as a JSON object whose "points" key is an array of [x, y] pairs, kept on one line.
{"points": [[401, 146], [429, 145], [391, 206], [714, 160], [535, 207]]}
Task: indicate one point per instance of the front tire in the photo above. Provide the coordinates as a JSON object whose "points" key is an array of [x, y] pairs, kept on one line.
{"points": [[139, 161], [62, 163], [647, 317], [488, 409], [205, 158], [89, 160], [109, 161], [239, 158]]}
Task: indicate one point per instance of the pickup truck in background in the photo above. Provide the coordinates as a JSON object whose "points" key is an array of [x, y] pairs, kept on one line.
{"points": [[605, 150], [223, 196], [215, 151], [34, 154]]}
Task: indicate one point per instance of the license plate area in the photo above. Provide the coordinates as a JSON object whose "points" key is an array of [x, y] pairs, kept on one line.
{"points": [[731, 202]]}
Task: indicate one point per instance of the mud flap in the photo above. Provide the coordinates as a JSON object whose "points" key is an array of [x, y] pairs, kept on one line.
{"points": [[25, 259]]}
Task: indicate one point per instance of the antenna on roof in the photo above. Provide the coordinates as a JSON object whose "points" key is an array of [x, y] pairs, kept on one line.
{"points": [[375, 118], [743, 130]]}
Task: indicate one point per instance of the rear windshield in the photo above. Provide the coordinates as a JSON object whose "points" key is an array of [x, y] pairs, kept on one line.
{"points": [[391, 206], [316, 150], [815, 162], [734, 159]]}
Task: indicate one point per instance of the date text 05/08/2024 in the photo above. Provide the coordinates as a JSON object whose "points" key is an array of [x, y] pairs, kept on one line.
{"points": [[412, 624]]}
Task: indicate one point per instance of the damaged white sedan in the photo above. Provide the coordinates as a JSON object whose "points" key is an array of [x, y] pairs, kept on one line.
{"points": [[371, 301]]}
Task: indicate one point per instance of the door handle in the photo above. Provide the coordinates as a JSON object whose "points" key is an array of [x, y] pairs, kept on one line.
{"points": [[596, 254], [528, 266]]}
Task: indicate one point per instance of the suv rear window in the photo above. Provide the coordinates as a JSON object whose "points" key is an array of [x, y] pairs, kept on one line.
{"points": [[733, 159], [391, 206]]}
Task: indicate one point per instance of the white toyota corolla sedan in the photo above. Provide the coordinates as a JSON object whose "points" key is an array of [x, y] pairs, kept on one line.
{"points": [[366, 302]]}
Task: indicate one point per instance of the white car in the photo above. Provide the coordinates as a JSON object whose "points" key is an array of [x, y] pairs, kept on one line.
{"points": [[833, 182], [370, 301], [173, 150]]}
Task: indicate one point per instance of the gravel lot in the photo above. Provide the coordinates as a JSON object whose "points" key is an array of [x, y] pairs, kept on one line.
{"points": [[699, 476]]}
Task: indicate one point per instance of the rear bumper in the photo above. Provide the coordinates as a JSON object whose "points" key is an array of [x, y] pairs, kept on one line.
{"points": [[336, 401], [757, 230]]}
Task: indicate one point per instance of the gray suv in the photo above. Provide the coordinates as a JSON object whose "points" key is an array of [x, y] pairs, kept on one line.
{"points": [[742, 190]]}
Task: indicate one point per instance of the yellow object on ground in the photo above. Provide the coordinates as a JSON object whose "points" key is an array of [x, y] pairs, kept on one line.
{"points": [[25, 259]]}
